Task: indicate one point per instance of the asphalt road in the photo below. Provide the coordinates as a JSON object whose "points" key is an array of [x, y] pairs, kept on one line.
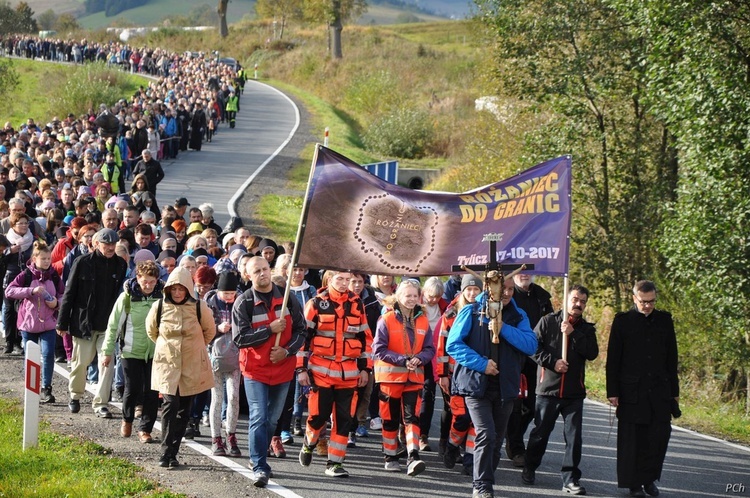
{"points": [[219, 173]]}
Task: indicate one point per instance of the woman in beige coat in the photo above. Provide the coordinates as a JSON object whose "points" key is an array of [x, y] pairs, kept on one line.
{"points": [[181, 326]]}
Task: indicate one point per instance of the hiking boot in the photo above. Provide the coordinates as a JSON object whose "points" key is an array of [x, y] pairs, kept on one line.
{"points": [[126, 429], [322, 447], [352, 442], [362, 431], [217, 447], [234, 449], [449, 456], [46, 395], [74, 406], [424, 444], [336, 470], [277, 447], [392, 466], [305, 455], [297, 431], [286, 437]]}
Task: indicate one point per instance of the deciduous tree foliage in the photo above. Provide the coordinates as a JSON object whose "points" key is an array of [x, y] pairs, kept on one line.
{"points": [[282, 11]]}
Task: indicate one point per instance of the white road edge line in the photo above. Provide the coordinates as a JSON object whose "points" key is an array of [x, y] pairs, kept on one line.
{"points": [[689, 431], [233, 201], [199, 448]]}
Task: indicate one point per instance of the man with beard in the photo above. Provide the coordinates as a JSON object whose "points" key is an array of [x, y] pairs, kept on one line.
{"points": [[561, 388], [197, 127]]}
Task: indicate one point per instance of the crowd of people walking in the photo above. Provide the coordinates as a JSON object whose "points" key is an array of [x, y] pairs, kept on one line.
{"points": [[165, 309]]}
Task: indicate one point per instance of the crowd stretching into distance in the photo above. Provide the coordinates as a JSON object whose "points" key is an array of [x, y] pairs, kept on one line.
{"points": [[169, 312]]}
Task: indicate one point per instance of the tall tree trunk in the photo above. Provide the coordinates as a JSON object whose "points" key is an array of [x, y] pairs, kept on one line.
{"points": [[222, 11], [336, 28]]}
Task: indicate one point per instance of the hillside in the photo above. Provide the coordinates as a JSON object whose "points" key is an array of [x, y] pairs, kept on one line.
{"points": [[379, 12]]}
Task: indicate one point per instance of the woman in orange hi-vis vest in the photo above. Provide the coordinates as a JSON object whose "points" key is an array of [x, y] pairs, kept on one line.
{"points": [[461, 430], [402, 346]]}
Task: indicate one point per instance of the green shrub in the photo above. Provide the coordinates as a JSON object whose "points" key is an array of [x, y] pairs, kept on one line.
{"points": [[89, 86], [372, 95], [405, 133]]}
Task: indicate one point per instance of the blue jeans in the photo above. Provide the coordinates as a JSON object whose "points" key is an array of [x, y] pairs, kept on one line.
{"points": [[46, 341], [490, 416], [265, 404]]}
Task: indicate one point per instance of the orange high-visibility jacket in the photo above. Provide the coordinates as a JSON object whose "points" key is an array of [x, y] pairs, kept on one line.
{"points": [[398, 342]]}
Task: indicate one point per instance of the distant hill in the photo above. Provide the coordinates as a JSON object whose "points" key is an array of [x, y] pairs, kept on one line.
{"points": [[379, 12]]}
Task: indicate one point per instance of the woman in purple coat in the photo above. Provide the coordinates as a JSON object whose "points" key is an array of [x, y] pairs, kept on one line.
{"points": [[39, 289]]}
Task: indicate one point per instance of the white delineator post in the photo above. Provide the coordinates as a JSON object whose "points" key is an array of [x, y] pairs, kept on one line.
{"points": [[325, 138], [255, 74], [31, 399]]}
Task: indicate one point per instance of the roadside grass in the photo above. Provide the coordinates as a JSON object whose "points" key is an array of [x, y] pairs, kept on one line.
{"points": [[703, 410], [63, 466], [39, 94]]}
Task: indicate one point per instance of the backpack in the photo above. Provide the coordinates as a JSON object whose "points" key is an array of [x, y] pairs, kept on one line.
{"points": [[161, 308], [225, 355]]}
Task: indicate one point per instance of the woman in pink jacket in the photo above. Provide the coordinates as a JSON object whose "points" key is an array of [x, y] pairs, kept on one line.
{"points": [[39, 288]]}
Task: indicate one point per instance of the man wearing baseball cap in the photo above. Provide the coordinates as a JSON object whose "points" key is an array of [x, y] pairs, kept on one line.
{"points": [[92, 288]]}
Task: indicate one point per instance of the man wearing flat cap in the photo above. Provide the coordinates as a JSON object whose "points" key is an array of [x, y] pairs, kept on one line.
{"points": [[92, 288]]}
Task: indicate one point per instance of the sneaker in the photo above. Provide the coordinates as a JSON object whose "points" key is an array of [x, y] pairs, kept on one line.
{"points": [[336, 470], [260, 479], [393, 466], [234, 449], [173, 463], [573, 488], [424, 444], [305, 455], [352, 442], [119, 393], [286, 437], [18, 351], [376, 424], [277, 448], [217, 447], [481, 494], [103, 412], [190, 431], [126, 429], [449, 456], [415, 467], [205, 422], [46, 395], [74, 406], [164, 461], [60, 359], [362, 431]]}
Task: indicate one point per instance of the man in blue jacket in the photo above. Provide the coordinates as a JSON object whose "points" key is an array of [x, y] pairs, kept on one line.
{"points": [[488, 375]]}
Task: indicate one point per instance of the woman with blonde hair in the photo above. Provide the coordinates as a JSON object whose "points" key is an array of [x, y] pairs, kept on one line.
{"points": [[401, 348]]}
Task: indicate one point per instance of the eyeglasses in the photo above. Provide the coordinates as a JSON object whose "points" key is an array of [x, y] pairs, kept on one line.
{"points": [[646, 303]]}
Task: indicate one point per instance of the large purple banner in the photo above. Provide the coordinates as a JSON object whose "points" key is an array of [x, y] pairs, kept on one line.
{"points": [[355, 221]]}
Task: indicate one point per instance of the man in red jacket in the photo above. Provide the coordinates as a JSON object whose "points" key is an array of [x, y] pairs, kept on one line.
{"points": [[257, 319]]}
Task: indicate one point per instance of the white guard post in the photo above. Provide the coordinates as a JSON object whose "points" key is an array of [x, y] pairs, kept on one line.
{"points": [[33, 367]]}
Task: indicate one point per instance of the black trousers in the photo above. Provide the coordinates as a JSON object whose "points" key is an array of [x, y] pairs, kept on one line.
{"points": [[137, 375], [548, 409], [175, 413], [523, 412], [428, 401]]}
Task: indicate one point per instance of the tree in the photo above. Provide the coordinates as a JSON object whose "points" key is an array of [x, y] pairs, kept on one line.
{"points": [[698, 80], [46, 20], [25, 22], [67, 23], [7, 18], [222, 11], [576, 63], [282, 11], [334, 13]]}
